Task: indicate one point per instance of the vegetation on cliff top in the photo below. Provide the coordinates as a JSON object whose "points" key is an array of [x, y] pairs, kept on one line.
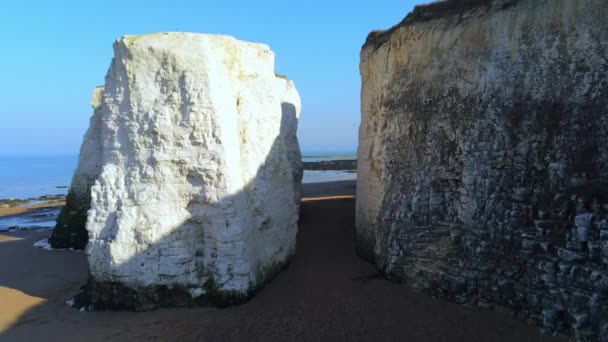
{"points": [[426, 12]]}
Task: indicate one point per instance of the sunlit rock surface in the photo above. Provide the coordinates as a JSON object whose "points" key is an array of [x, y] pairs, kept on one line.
{"points": [[483, 157], [196, 172]]}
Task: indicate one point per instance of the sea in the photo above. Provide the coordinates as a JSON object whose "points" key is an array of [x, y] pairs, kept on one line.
{"points": [[320, 176], [29, 177], [25, 177]]}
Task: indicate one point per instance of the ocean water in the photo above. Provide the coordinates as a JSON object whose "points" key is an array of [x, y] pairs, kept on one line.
{"points": [[38, 219], [34, 176], [318, 176]]}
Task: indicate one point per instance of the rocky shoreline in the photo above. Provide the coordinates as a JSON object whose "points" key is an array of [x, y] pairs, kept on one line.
{"points": [[32, 213], [332, 165], [17, 202]]}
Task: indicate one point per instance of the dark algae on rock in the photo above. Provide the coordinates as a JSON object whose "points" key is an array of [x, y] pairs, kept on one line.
{"points": [[116, 296], [483, 158], [107, 295], [70, 230]]}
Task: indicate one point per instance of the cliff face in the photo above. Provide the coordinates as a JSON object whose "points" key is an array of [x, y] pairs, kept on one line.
{"points": [[70, 231], [483, 157], [192, 172]]}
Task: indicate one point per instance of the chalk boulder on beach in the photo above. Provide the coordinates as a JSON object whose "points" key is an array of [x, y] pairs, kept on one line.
{"points": [[195, 170]]}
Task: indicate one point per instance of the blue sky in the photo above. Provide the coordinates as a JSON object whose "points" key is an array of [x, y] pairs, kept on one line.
{"points": [[55, 52]]}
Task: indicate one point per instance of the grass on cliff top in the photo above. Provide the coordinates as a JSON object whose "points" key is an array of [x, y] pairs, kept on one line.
{"points": [[430, 11], [131, 39]]}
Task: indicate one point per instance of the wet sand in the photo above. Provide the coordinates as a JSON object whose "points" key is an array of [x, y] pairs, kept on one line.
{"points": [[326, 294], [31, 207]]}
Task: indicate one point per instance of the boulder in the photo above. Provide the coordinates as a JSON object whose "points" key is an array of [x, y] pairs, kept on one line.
{"points": [[189, 175]]}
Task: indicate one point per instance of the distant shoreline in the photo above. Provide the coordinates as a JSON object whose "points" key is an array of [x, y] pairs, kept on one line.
{"points": [[331, 156], [6, 203], [18, 210], [331, 165], [25, 179]]}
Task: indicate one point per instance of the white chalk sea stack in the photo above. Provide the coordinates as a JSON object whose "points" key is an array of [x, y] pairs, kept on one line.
{"points": [[196, 168]]}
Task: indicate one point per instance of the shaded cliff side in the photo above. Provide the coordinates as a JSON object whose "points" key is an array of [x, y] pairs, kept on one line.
{"points": [[70, 230], [483, 157]]}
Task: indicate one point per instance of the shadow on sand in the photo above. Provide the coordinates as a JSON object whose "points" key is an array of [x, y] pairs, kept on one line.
{"points": [[327, 293]]}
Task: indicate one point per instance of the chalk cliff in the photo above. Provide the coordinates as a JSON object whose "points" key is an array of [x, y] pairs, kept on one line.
{"points": [[70, 231], [483, 157], [190, 173]]}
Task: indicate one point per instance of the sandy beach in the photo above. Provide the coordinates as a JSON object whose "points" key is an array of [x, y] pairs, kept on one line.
{"points": [[326, 294]]}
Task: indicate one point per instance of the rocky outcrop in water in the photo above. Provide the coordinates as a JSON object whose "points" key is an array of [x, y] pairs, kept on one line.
{"points": [[190, 173], [483, 157]]}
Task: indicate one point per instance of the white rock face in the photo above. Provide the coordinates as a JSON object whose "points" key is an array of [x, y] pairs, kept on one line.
{"points": [[200, 176]]}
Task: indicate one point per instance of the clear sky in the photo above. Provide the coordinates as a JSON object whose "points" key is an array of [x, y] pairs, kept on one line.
{"points": [[55, 52]]}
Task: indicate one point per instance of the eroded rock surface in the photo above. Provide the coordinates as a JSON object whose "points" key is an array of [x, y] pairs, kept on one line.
{"points": [[70, 230], [483, 157], [195, 171]]}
